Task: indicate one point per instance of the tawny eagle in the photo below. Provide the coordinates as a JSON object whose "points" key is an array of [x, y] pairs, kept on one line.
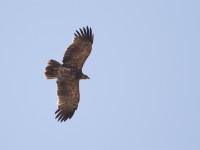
{"points": [[70, 72]]}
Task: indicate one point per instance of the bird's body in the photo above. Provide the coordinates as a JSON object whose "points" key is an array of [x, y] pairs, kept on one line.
{"points": [[70, 72]]}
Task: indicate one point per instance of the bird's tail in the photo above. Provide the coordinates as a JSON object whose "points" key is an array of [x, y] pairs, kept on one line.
{"points": [[51, 70]]}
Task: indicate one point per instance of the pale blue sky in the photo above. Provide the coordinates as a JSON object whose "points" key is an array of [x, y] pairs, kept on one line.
{"points": [[144, 91]]}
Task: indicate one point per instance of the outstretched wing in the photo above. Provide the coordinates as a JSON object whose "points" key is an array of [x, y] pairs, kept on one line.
{"points": [[80, 49], [68, 98]]}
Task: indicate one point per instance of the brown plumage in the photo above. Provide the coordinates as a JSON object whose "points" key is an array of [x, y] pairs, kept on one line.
{"points": [[69, 73]]}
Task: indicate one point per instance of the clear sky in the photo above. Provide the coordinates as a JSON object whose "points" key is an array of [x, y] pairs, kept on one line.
{"points": [[144, 87]]}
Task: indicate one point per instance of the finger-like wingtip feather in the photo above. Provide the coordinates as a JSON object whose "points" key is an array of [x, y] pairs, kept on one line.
{"points": [[82, 33], [62, 115], [78, 33], [85, 33], [88, 32], [75, 35]]}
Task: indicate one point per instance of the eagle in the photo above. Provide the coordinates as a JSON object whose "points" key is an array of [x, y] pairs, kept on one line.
{"points": [[69, 73]]}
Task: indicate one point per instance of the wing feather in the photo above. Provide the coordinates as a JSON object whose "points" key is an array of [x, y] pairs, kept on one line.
{"points": [[68, 98], [77, 52]]}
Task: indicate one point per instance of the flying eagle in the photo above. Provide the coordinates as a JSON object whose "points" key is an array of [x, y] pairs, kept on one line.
{"points": [[70, 72]]}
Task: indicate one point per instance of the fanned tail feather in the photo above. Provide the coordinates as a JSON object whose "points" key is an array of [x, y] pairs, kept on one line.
{"points": [[51, 70]]}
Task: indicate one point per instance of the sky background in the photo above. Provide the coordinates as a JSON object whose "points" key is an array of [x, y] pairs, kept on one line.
{"points": [[144, 87]]}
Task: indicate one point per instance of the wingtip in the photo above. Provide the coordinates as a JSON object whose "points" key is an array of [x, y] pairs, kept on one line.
{"points": [[85, 32], [62, 116]]}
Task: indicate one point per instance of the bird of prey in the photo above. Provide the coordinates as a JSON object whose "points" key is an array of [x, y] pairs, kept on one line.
{"points": [[70, 72]]}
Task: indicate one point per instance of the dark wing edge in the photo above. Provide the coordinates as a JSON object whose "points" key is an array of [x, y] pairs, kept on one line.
{"points": [[68, 99], [62, 115], [85, 33]]}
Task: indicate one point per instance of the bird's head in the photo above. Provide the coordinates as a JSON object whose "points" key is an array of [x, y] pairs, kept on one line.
{"points": [[83, 76]]}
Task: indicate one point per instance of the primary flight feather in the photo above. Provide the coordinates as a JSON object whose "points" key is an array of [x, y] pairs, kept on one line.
{"points": [[70, 72]]}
